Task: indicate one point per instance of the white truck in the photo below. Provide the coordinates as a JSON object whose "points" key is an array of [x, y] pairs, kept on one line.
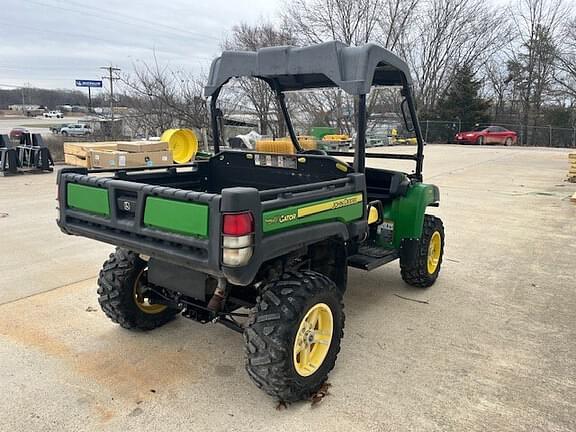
{"points": [[53, 114]]}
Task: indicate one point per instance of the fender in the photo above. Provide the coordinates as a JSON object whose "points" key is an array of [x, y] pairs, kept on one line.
{"points": [[407, 212]]}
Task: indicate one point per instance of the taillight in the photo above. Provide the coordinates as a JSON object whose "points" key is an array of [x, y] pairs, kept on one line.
{"points": [[238, 224], [237, 238]]}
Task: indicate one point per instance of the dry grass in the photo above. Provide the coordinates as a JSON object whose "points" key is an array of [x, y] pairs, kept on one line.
{"points": [[55, 144]]}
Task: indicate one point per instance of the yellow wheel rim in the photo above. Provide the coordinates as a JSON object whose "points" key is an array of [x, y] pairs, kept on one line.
{"points": [[434, 250], [142, 302], [182, 143], [313, 339]]}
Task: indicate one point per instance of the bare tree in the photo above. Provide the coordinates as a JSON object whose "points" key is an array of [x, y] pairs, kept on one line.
{"points": [[395, 23], [353, 22], [537, 24], [498, 82], [161, 98], [255, 92], [565, 74], [446, 35]]}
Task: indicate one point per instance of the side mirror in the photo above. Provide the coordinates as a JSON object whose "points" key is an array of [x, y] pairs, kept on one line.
{"points": [[409, 125]]}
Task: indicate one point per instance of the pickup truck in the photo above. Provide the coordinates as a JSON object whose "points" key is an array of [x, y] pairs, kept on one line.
{"points": [[76, 130], [53, 114]]}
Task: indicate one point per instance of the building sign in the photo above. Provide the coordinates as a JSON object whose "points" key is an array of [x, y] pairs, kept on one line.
{"points": [[88, 83]]}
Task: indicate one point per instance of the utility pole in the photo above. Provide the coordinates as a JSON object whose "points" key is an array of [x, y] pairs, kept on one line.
{"points": [[111, 78]]}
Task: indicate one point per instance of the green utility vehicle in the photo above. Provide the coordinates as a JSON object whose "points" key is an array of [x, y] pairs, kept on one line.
{"points": [[268, 233]]}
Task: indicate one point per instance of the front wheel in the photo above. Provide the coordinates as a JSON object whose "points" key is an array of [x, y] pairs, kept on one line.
{"points": [[121, 296], [508, 142], [64, 133], [423, 270], [294, 334], [480, 140]]}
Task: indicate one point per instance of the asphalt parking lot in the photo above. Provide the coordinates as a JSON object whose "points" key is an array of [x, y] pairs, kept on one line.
{"points": [[39, 125], [490, 347]]}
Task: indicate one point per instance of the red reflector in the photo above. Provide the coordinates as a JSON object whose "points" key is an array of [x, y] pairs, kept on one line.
{"points": [[237, 224]]}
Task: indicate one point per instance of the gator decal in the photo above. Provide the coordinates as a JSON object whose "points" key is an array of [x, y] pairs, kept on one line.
{"points": [[344, 208]]}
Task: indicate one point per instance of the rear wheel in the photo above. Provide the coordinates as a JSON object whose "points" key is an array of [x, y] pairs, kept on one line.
{"points": [[294, 334], [121, 296], [64, 133], [423, 271]]}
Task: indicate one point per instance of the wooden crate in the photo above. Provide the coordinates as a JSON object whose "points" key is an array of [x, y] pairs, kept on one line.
{"points": [[82, 150], [71, 159], [142, 146]]}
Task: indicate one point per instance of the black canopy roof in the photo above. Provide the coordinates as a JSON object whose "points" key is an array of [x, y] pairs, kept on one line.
{"points": [[331, 64]]}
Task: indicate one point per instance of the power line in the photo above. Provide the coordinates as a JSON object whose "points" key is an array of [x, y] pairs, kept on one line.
{"points": [[156, 26], [79, 35], [45, 68], [152, 23]]}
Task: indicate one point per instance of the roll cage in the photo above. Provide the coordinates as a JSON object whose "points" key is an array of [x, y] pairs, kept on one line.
{"points": [[332, 64]]}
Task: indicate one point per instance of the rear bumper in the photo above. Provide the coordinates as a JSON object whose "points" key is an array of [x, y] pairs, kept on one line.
{"points": [[129, 231]]}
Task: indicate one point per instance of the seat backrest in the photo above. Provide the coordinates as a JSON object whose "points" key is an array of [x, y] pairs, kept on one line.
{"points": [[384, 184]]}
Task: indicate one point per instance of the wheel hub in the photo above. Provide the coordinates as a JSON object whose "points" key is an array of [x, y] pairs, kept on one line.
{"points": [[434, 251], [142, 302], [313, 339]]}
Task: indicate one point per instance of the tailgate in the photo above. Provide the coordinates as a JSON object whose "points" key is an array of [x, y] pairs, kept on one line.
{"points": [[167, 223]]}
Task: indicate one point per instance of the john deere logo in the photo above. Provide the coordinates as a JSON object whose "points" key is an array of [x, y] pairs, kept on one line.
{"points": [[290, 215], [346, 202]]}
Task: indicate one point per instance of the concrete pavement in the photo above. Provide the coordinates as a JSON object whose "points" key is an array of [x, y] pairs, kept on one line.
{"points": [[493, 349]]}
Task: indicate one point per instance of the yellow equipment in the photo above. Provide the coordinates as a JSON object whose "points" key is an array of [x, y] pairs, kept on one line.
{"points": [[183, 144], [339, 137], [284, 145]]}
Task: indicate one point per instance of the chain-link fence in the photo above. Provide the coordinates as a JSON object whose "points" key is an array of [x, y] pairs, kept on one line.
{"points": [[443, 131]]}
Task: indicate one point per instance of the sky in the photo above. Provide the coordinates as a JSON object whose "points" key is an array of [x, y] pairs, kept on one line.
{"points": [[51, 43]]}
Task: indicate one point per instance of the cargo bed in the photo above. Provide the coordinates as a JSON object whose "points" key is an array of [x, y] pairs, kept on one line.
{"points": [[174, 213]]}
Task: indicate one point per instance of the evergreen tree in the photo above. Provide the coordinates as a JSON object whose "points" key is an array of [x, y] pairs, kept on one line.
{"points": [[462, 100]]}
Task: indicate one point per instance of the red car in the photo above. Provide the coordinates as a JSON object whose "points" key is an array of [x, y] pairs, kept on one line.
{"points": [[17, 132], [487, 135]]}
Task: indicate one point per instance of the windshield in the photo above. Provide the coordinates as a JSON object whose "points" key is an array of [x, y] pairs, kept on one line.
{"points": [[478, 128]]}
